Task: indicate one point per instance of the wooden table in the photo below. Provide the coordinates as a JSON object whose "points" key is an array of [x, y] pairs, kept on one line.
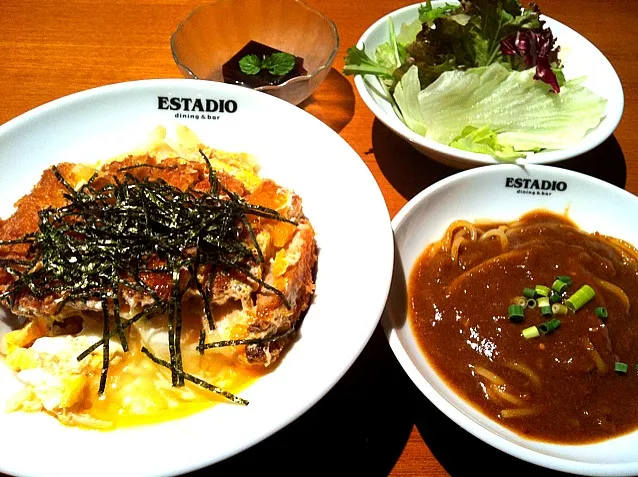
{"points": [[51, 48]]}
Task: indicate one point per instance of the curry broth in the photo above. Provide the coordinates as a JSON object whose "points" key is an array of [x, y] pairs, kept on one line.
{"points": [[559, 387]]}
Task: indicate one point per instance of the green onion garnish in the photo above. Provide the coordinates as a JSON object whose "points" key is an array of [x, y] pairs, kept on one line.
{"points": [[546, 310], [601, 312], [559, 286], [620, 368], [529, 292], [531, 332], [580, 298], [565, 279], [541, 290], [544, 306], [554, 297], [520, 300], [543, 301], [531, 303], [548, 326], [516, 313], [559, 309]]}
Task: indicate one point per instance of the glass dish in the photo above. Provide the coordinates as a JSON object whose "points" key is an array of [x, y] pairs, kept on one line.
{"points": [[214, 32]]}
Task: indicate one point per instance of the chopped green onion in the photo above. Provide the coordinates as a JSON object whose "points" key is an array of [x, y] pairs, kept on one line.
{"points": [[529, 292], [559, 309], [516, 313], [543, 301], [531, 303], [637, 368], [541, 290], [621, 368], [601, 312], [531, 332], [520, 300], [548, 326], [564, 279], [580, 298], [546, 310], [545, 307], [554, 297], [559, 286]]}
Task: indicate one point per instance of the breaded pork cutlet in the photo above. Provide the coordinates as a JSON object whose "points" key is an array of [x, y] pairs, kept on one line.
{"points": [[186, 246]]}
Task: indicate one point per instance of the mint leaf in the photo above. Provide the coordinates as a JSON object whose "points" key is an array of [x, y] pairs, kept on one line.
{"points": [[250, 64], [279, 64]]}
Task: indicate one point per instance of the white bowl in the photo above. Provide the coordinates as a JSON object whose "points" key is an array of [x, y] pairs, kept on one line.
{"points": [[483, 193], [579, 57], [340, 197]]}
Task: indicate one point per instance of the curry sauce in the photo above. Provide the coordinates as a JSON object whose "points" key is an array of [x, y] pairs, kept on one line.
{"points": [[560, 387]]}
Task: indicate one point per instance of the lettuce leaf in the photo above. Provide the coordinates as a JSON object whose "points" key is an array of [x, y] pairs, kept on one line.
{"points": [[406, 96], [408, 32], [358, 62], [484, 140], [524, 113], [393, 53], [428, 14]]}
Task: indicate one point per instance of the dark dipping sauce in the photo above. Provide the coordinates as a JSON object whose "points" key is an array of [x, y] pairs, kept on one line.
{"points": [[233, 74], [560, 387]]}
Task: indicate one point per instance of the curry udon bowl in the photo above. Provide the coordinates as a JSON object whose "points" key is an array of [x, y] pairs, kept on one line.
{"points": [[504, 194]]}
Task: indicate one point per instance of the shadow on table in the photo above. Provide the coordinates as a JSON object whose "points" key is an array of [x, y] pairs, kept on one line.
{"points": [[404, 167], [461, 454], [410, 172], [332, 102], [360, 427], [606, 162]]}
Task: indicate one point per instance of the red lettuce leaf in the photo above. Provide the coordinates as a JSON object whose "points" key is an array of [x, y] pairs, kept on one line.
{"points": [[536, 48]]}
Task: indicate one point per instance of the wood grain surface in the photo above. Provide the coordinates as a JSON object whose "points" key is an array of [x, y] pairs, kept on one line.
{"points": [[374, 422]]}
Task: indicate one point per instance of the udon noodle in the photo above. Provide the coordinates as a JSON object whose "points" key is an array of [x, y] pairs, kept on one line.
{"points": [[572, 380]]}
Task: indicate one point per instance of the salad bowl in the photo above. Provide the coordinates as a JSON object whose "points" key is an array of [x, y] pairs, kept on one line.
{"points": [[579, 57]]}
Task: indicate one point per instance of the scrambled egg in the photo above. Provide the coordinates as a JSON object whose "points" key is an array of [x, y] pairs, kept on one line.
{"points": [[54, 379]]}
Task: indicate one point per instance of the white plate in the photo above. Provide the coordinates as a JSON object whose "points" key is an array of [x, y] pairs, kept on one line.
{"points": [[343, 202], [579, 57], [490, 193]]}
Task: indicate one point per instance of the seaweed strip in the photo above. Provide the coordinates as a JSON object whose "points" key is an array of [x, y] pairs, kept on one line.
{"points": [[98, 245], [195, 379], [249, 341], [105, 347]]}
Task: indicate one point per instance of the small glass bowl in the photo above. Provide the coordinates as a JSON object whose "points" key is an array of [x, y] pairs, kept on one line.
{"points": [[214, 32]]}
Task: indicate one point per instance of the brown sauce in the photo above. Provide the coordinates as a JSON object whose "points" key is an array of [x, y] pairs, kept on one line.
{"points": [[560, 387]]}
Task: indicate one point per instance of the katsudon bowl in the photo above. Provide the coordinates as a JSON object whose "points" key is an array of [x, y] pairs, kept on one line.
{"points": [[504, 194], [99, 124]]}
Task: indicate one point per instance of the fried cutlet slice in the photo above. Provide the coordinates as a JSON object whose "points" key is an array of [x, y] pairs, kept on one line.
{"points": [[241, 306]]}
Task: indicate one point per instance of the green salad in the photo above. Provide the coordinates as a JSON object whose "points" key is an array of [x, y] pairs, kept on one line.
{"points": [[482, 76]]}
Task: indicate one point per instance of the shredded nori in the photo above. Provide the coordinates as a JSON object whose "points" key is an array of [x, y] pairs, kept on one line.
{"points": [[249, 341], [195, 379], [104, 241]]}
